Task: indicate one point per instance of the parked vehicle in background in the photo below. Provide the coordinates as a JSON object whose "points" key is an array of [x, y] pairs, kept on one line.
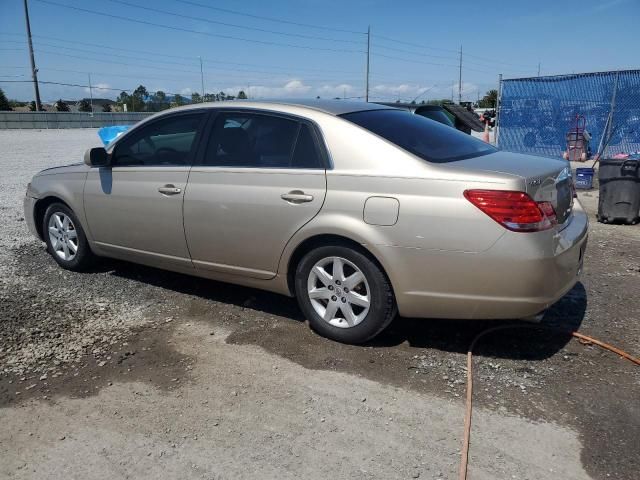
{"points": [[358, 210]]}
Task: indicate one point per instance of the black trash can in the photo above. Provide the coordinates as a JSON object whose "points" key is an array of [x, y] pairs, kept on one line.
{"points": [[619, 191]]}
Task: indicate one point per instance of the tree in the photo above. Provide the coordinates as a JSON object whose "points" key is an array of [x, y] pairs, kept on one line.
{"points": [[84, 105], [242, 95], [4, 103], [222, 96], [32, 106], [17, 103], [490, 99], [139, 96], [61, 106], [106, 108], [158, 102], [124, 99], [177, 100], [196, 98]]}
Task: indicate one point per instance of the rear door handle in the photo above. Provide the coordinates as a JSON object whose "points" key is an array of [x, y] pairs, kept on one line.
{"points": [[296, 196], [169, 190]]}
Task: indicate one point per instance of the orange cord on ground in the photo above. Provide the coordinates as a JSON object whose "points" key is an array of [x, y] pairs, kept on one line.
{"points": [[467, 417]]}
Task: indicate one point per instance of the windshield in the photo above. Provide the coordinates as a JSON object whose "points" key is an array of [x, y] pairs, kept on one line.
{"points": [[437, 115], [428, 139]]}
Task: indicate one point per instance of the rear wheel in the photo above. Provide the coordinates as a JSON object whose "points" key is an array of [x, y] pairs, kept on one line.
{"points": [[344, 295], [65, 238]]}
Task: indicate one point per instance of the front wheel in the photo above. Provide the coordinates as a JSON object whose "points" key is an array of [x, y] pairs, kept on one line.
{"points": [[65, 238], [344, 295]]}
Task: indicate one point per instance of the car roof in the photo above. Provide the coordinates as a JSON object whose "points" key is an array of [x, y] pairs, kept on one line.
{"points": [[332, 107]]}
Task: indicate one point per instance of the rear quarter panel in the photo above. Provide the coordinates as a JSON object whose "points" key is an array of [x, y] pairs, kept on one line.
{"points": [[433, 215]]}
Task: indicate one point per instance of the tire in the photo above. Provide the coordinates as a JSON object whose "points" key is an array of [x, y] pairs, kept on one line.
{"points": [[351, 316], [62, 232]]}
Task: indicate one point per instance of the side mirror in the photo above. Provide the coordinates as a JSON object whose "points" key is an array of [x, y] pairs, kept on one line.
{"points": [[96, 157]]}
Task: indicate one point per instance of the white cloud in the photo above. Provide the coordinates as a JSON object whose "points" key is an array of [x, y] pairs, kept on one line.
{"points": [[343, 89], [293, 88], [99, 87], [186, 91], [296, 86]]}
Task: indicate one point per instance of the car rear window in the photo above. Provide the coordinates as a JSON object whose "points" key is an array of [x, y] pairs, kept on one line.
{"points": [[428, 139]]}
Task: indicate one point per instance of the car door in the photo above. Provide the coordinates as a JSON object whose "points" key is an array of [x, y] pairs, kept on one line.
{"points": [[259, 180], [134, 206]]}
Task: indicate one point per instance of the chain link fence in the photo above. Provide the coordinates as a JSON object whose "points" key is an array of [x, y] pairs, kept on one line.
{"points": [[535, 114]]}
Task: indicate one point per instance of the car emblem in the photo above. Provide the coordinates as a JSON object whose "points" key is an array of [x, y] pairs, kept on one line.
{"points": [[535, 182]]}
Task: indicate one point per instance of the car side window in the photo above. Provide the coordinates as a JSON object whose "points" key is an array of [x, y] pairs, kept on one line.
{"points": [[305, 154], [166, 142], [253, 140]]}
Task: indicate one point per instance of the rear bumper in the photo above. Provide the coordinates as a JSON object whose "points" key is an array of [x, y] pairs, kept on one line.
{"points": [[521, 275], [29, 205]]}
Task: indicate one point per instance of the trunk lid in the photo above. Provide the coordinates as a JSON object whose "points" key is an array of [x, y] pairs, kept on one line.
{"points": [[545, 179]]}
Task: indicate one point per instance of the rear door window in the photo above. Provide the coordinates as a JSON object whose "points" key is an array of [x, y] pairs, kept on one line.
{"points": [[423, 137], [252, 140]]}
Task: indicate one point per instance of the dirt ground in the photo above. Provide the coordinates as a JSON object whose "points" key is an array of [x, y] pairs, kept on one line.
{"points": [[132, 372]]}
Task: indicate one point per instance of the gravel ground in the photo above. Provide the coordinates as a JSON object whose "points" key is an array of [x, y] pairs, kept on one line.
{"points": [[98, 370]]}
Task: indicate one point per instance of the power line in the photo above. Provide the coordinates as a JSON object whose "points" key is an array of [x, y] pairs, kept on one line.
{"points": [[492, 61], [270, 19], [154, 67], [85, 86], [167, 62], [146, 52], [163, 54], [498, 61], [413, 61], [414, 44], [187, 30], [180, 29], [233, 25], [412, 53], [112, 62]]}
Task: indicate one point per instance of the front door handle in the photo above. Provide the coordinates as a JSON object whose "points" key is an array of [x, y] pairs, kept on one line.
{"points": [[296, 196], [169, 190]]}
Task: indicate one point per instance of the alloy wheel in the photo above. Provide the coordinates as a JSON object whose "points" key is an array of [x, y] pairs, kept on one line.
{"points": [[339, 292], [63, 236]]}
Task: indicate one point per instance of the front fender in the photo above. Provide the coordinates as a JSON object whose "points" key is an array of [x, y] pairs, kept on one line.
{"points": [[67, 187]]}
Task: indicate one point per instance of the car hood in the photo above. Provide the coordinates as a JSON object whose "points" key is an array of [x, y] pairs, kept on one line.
{"points": [[72, 168]]}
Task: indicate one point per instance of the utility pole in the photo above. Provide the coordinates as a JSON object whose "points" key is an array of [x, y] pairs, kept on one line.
{"points": [[201, 79], [366, 94], [460, 79], [496, 135], [34, 70], [538, 68], [90, 92]]}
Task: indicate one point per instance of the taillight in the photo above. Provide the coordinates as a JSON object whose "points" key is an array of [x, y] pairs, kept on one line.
{"points": [[515, 211]]}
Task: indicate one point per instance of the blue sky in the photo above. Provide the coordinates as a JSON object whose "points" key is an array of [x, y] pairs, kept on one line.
{"points": [[414, 45]]}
